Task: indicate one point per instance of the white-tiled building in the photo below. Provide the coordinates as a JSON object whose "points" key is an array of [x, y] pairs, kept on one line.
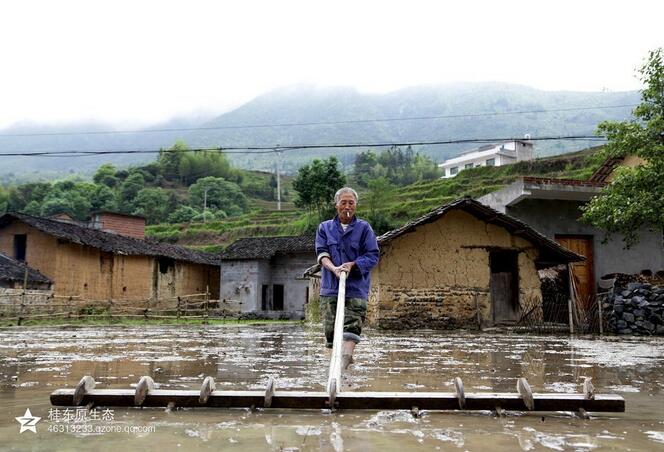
{"points": [[489, 155]]}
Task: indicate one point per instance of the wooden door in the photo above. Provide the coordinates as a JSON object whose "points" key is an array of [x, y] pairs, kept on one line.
{"points": [[504, 286], [582, 272]]}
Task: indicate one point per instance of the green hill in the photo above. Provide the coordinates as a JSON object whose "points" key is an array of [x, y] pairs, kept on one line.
{"points": [[401, 205]]}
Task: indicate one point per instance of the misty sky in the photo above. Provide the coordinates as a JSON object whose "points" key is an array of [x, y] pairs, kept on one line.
{"points": [[136, 62]]}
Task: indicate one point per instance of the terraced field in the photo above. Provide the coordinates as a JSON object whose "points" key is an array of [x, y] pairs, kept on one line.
{"points": [[402, 204]]}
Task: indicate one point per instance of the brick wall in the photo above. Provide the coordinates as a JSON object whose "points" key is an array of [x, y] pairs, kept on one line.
{"points": [[120, 224]]}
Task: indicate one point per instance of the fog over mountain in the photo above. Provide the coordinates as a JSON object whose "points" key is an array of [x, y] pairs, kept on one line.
{"points": [[482, 110]]}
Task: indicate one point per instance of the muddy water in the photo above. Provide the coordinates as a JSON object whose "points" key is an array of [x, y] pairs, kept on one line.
{"points": [[35, 361]]}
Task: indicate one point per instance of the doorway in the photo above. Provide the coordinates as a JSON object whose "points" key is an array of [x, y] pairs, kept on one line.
{"points": [[504, 286], [582, 272]]}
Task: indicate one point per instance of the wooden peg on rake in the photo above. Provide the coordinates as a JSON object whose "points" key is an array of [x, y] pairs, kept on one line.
{"points": [[588, 388], [332, 393], [143, 388], [588, 394], [207, 388], [461, 396], [523, 388], [269, 393], [86, 384]]}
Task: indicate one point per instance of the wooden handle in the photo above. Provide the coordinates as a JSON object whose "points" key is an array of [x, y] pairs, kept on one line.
{"points": [[337, 343]]}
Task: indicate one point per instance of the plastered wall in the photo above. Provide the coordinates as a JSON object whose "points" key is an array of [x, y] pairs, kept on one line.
{"points": [[95, 275], [439, 275]]}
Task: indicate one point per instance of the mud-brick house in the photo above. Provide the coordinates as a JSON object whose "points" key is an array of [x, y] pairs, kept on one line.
{"points": [[553, 207], [95, 263], [263, 275], [462, 264], [15, 274]]}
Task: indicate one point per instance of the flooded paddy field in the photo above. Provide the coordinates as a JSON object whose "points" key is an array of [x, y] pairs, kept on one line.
{"points": [[35, 361]]}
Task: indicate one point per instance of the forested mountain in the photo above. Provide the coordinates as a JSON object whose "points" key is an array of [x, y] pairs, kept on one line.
{"points": [[339, 108]]}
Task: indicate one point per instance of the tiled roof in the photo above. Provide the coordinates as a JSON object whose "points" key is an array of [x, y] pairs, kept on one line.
{"points": [[604, 171], [109, 242], [571, 182], [13, 270], [551, 251], [268, 247]]}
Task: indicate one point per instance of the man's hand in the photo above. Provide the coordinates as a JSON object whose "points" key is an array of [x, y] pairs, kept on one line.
{"points": [[346, 267]]}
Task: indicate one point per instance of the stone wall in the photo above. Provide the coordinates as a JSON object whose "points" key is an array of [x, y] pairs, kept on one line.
{"points": [[436, 308], [637, 308]]}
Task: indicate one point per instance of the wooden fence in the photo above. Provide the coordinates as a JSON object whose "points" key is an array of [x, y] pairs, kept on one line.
{"points": [[22, 307]]}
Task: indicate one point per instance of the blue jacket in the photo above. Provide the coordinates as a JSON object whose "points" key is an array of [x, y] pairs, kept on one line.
{"points": [[356, 244]]}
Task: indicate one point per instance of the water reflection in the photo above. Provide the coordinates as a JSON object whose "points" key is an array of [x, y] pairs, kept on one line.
{"points": [[35, 361]]}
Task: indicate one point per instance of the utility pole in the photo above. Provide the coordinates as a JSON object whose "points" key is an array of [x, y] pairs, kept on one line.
{"points": [[278, 178], [205, 204]]}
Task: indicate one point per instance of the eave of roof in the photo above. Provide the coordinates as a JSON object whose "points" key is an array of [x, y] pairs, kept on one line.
{"points": [[552, 251], [568, 182], [109, 242], [13, 270], [252, 248]]}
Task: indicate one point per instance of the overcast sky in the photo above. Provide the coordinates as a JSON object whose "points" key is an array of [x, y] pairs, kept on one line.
{"points": [[135, 62]]}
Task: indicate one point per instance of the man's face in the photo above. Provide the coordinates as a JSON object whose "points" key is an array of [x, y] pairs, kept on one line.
{"points": [[346, 207]]}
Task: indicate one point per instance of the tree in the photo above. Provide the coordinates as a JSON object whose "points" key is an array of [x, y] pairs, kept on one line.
{"points": [[20, 196], [365, 162], [636, 196], [169, 160], [217, 194], [378, 193], [316, 185], [103, 198], [128, 191], [4, 200], [105, 175], [151, 203], [425, 169], [183, 214], [64, 196]]}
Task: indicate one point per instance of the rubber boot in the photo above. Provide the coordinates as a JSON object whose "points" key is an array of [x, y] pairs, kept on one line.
{"points": [[347, 350]]}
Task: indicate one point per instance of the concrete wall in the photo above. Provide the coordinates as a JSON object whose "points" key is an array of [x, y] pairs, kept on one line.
{"points": [[239, 284], [242, 281], [552, 217], [503, 154], [287, 270], [439, 275]]}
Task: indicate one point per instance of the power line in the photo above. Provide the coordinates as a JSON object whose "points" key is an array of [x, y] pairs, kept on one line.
{"points": [[251, 150], [322, 123]]}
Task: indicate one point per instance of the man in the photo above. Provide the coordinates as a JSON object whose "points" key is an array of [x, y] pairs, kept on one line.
{"points": [[346, 244]]}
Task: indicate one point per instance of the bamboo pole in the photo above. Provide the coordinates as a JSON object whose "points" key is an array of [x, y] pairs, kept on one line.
{"points": [[599, 313], [207, 288], [23, 295], [146, 310], [178, 309], [479, 314]]}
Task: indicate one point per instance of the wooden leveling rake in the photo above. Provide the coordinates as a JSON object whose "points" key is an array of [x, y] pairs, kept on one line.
{"points": [[145, 394]]}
